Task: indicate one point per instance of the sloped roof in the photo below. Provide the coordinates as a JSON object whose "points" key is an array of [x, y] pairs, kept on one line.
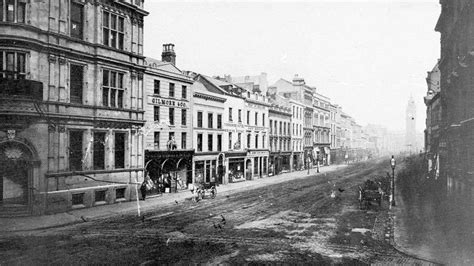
{"points": [[152, 63]]}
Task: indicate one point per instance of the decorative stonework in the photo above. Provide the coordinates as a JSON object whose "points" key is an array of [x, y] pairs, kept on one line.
{"points": [[11, 134], [13, 153], [52, 59]]}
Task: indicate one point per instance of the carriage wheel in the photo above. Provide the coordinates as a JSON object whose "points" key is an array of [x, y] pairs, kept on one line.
{"points": [[213, 192]]}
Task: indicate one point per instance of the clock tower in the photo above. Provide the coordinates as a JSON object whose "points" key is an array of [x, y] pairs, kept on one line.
{"points": [[410, 126]]}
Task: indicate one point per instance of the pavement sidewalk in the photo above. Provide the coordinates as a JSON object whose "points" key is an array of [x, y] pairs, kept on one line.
{"points": [[19, 224]]}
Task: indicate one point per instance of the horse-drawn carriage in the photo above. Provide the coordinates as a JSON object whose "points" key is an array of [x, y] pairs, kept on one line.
{"points": [[371, 191], [201, 189]]}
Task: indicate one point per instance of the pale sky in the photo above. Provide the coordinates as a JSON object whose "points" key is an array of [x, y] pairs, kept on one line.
{"points": [[367, 56]]}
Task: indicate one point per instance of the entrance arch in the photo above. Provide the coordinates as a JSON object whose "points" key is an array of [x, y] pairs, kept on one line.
{"points": [[17, 162]]}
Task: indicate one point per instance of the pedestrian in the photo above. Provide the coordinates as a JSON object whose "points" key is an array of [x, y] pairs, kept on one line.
{"points": [[143, 189]]}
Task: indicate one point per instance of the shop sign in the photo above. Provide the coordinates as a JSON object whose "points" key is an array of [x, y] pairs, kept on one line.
{"points": [[256, 128], [168, 102], [258, 153]]}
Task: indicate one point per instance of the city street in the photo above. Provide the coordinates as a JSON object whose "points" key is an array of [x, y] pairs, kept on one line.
{"points": [[291, 222]]}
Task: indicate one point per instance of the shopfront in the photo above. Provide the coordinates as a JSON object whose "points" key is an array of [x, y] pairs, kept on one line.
{"points": [[259, 161], [169, 170], [208, 168], [236, 166]]}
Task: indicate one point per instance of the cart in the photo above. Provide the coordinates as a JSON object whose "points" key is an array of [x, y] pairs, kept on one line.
{"points": [[370, 192], [205, 188]]}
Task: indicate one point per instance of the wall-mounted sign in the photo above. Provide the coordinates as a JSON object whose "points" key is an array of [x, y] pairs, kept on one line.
{"points": [[258, 153], [167, 102]]}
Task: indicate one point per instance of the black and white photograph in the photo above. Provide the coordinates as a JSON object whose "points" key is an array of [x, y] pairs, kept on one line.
{"points": [[236, 132]]}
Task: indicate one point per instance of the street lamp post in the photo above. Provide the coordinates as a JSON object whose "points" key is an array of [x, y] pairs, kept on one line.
{"points": [[392, 164]]}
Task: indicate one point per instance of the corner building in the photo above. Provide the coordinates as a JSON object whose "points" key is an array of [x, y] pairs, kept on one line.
{"points": [[71, 101]]}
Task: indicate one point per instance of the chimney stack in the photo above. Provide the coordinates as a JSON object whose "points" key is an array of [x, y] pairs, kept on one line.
{"points": [[168, 54]]}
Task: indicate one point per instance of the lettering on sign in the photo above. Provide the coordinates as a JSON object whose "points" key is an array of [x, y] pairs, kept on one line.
{"points": [[167, 102]]}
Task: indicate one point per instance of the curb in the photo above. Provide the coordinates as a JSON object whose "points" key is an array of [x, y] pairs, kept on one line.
{"points": [[402, 250]]}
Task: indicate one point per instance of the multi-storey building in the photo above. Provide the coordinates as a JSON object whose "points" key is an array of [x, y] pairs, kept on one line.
{"points": [[168, 131], [322, 129], [297, 90], [433, 119], [209, 105], [256, 115], [71, 82], [281, 159], [257, 132], [456, 66]]}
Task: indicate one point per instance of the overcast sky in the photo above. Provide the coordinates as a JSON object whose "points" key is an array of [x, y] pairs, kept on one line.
{"points": [[367, 56]]}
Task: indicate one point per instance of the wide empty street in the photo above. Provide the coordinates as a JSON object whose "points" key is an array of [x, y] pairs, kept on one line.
{"points": [[296, 221]]}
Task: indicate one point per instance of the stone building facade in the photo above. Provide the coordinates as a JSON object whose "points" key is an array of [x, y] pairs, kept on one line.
{"points": [[281, 159], [71, 101], [456, 66], [433, 119], [209, 134], [168, 129], [322, 129]]}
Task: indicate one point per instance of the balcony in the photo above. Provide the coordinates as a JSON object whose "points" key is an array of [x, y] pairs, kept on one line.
{"points": [[21, 88]]}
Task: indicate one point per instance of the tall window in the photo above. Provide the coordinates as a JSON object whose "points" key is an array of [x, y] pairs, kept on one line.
{"points": [[112, 89], [248, 141], [76, 76], [12, 65], [248, 117], [156, 140], [184, 92], [113, 30], [230, 114], [156, 113], [77, 14], [219, 121], [280, 129], [183, 117], [12, 11], [263, 120], [75, 150], [209, 142], [99, 150], [240, 116], [219, 142], [156, 86], [210, 118], [171, 116], [183, 140], [256, 118], [119, 150], [271, 126], [172, 90], [263, 141], [239, 139], [230, 140], [199, 142], [256, 141], [199, 118]]}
